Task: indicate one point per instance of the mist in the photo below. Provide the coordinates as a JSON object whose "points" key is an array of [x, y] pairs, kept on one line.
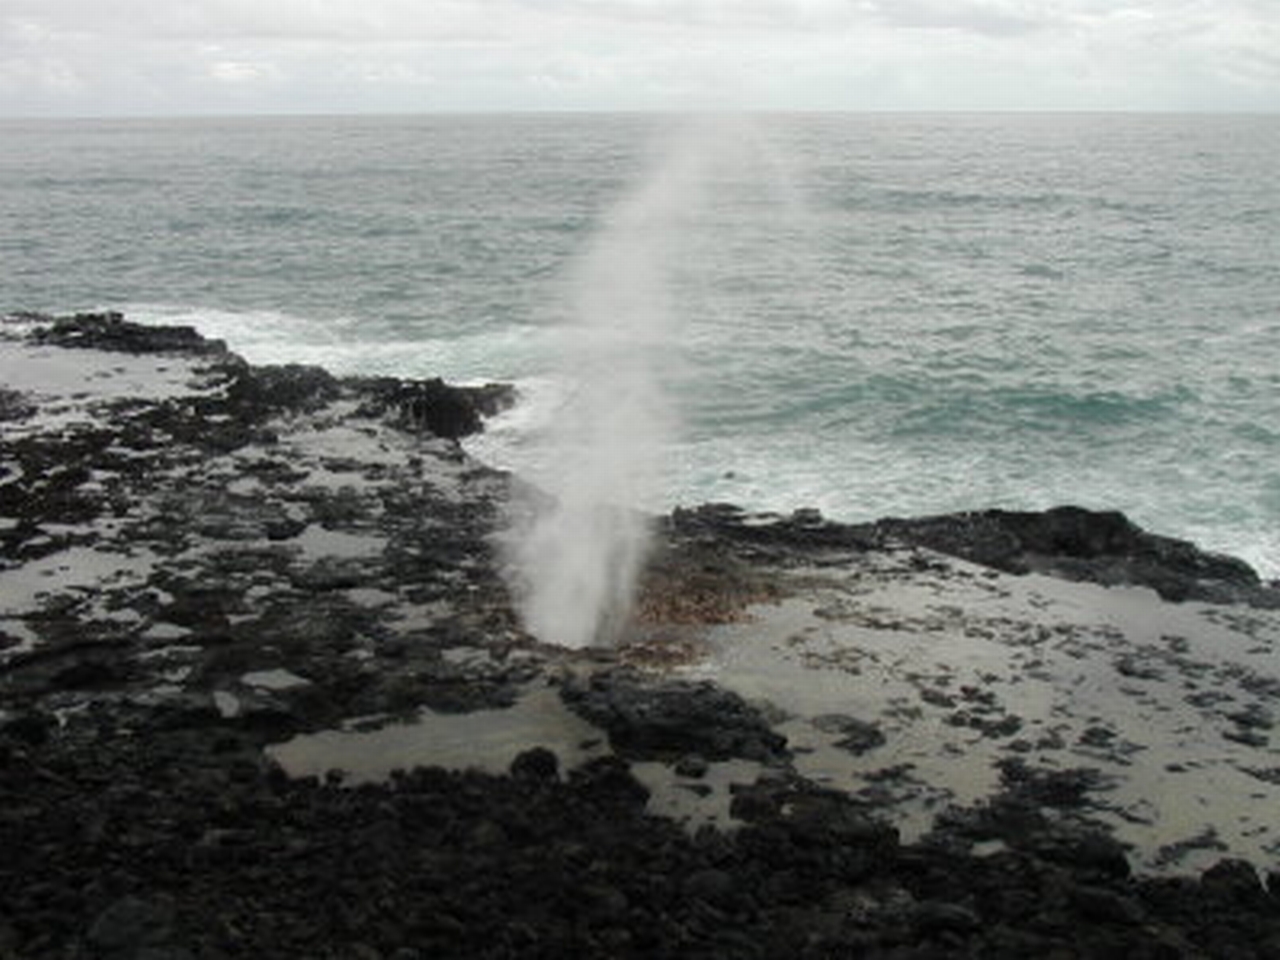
{"points": [[575, 554]]}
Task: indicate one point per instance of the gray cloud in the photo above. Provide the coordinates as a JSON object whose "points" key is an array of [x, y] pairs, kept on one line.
{"points": [[987, 17], [176, 56], [228, 20], [381, 20]]}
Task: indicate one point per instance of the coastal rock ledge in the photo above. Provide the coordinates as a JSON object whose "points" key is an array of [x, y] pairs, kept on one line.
{"points": [[263, 694]]}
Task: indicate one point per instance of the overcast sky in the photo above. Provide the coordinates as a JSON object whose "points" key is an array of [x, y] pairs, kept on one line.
{"points": [[146, 57]]}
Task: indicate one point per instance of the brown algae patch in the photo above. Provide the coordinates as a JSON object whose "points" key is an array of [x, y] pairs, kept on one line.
{"points": [[682, 594], [701, 587]]}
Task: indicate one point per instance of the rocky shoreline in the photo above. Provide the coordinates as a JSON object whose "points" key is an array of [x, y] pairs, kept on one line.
{"points": [[214, 578]]}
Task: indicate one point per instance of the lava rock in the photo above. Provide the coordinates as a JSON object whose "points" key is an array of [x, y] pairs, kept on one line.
{"points": [[15, 405], [710, 884], [856, 736], [610, 779], [111, 331], [671, 718], [132, 922], [1080, 544], [535, 765], [933, 916], [1236, 879], [1048, 788], [693, 766], [433, 406], [260, 391], [120, 779]]}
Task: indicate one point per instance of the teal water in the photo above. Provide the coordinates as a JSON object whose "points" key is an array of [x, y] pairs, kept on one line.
{"points": [[878, 314]]}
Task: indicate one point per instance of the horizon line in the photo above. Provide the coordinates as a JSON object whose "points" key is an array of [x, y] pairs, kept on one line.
{"points": [[645, 112]]}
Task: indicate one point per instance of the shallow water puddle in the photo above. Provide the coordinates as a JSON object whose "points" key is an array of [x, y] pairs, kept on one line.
{"points": [[317, 543], [959, 669], [695, 801], [486, 740], [79, 386], [274, 680], [489, 740], [82, 573]]}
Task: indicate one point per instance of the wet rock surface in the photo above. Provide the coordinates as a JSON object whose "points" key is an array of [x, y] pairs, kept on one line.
{"points": [[192, 574], [110, 331], [645, 719], [1071, 542], [1098, 546]]}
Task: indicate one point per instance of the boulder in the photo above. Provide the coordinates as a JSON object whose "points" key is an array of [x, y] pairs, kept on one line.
{"points": [[1079, 544], [111, 331], [671, 718], [433, 406]]}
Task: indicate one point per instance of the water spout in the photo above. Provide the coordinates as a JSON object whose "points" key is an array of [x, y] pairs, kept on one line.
{"points": [[576, 555]]}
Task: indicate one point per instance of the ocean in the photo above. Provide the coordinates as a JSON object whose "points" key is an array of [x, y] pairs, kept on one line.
{"points": [[873, 315]]}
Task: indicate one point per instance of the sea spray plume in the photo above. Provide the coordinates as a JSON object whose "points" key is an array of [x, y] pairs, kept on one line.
{"points": [[577, 554]]}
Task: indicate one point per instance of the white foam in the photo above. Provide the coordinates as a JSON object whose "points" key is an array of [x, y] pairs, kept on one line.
{"points": [[339, 345]]}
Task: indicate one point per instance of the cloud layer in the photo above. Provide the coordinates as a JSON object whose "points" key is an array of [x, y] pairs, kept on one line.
{"points": [[66, 57]]}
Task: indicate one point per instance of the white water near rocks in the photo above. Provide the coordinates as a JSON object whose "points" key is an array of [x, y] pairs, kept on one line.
{"points": [[575, 555]]}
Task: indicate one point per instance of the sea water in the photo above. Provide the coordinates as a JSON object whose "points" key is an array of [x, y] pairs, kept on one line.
{"points": [[871, 314]]}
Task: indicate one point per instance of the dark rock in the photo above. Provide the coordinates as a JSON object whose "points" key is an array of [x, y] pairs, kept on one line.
{"points": [[433, 406], [1102, 905], [1207, 839], [937, 698], [932, 916], [32, 728], [1079, 544], [15, 406], [805, 530], [1047, 787], [711, 884], [259, 391], [536, 765], [754, 803], [1139, 668], [604, 902], [110, 331], [89, 672], [823, 817], [488, 834], [856, 736], [610, 779], [1233, 878], [1097, 737], [1248, 737], [132, 922], [334, 573], [693, 766], [1255, 716], [1070, 542], [671, 718], [1089, 852]]}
